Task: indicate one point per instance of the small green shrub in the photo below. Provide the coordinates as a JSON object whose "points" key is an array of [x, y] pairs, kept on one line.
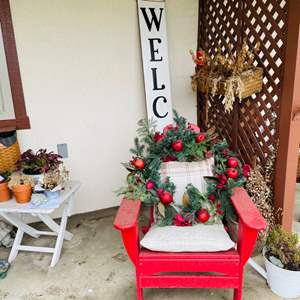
{"points": [[5, 176], [284, 246]]}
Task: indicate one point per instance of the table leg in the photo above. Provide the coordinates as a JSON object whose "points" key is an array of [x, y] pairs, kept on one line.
{"points": [[60, 236], [54, 226], [12, 219], [15, 248], [70, 205]]}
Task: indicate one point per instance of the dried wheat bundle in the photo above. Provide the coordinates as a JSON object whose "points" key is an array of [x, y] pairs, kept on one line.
{"points": [[232, 74]]}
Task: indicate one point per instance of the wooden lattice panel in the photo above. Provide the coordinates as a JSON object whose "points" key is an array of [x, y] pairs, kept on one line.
{"points": [[252, 127]]}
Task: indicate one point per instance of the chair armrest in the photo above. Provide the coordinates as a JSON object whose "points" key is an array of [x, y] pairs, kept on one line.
{"points": [[247, 211], [127, 222], [127, 215], [250, 223]]}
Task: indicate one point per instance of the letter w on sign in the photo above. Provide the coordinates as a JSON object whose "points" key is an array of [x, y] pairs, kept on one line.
{"points": [[154, 44]]}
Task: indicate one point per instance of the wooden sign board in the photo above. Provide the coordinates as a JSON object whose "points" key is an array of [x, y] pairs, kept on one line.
{"points": [[154, 44]]}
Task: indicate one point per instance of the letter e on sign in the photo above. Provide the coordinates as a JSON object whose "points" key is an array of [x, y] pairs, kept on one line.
{"points": [[154, 44]]}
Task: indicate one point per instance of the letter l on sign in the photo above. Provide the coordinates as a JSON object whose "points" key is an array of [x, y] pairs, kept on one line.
{"points": [[154, 44]]}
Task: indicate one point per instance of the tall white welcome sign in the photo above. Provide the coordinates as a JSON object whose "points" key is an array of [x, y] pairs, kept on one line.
{"points": [[153, 31]]}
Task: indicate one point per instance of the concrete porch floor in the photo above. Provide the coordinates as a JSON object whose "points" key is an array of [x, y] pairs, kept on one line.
{"points": [[94, 266]]}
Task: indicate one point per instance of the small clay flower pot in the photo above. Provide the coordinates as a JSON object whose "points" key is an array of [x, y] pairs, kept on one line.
{"points": [[22, 192], [4, 192]]}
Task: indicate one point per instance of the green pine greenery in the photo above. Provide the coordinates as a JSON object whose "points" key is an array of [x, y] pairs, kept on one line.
{"points": [[154, 152]]}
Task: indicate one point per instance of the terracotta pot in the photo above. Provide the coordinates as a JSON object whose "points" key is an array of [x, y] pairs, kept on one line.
{"points": [[4, 192], [22, 192]]}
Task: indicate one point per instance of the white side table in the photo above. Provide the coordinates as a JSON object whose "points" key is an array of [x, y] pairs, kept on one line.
{"points": [[10, 211]]}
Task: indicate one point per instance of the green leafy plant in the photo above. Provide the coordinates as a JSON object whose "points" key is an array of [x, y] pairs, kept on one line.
{"points": [[31, 163], [284, 246], [5, 176]]}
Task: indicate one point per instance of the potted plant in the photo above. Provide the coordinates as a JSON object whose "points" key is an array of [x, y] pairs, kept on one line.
{"points": [[21, 186], [4, 190], [53, 182], [282, 260], [37, 163]]}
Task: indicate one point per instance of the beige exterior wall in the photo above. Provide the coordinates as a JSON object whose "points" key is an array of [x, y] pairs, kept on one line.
{"points": [[82, 76]]}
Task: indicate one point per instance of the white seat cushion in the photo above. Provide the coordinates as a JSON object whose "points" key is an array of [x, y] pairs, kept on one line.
{"points": [[183, 173], [197, 238]]}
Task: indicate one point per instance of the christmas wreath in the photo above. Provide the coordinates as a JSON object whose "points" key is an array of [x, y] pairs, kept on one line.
{"points": [[182, 142]]}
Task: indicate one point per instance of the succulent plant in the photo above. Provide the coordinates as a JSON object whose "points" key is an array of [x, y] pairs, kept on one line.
{"points": [[18, 178], [284, 246], [53, 179]]}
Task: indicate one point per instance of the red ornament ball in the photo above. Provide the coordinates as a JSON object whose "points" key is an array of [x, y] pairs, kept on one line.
{"points": [[149, 185], [203, 215], [232, 162], [199, 54], [159, 192], [157, 137], [194, 127], [246, 170], [200, 138], [166, 197], [232, 173], [138, 163], [169, 158], [212, 198], [208, 154], [167, 128], [177, 146], [222, 181], [178, 220]]}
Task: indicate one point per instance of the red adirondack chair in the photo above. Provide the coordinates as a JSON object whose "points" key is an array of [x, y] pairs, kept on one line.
{"points": [[154, 269]]}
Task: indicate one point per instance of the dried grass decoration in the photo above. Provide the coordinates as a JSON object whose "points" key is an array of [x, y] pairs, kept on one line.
{"points": [[232, 74], [260, 187]]}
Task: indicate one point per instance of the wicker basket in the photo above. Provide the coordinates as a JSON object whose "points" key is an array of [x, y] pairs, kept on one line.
{"points": [[9, 157], [252, 81]]}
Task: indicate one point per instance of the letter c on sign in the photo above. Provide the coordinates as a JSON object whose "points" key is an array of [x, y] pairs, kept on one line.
{"points": [[155, 107]]}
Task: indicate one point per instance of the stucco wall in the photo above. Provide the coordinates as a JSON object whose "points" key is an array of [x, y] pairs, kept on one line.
{"points": [[82, 76]]}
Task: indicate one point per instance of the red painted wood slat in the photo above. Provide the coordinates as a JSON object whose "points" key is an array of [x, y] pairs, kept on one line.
{"points": [[189, 281], [128, 214], [148, 254], [224, 266], [247, 211]]}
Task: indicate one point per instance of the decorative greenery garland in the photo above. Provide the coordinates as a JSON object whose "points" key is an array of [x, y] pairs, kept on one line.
{"points": [[183, 142]]}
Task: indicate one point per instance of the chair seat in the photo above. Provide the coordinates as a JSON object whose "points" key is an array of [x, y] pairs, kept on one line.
{"points": [[197, 238], [147, 254]]}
